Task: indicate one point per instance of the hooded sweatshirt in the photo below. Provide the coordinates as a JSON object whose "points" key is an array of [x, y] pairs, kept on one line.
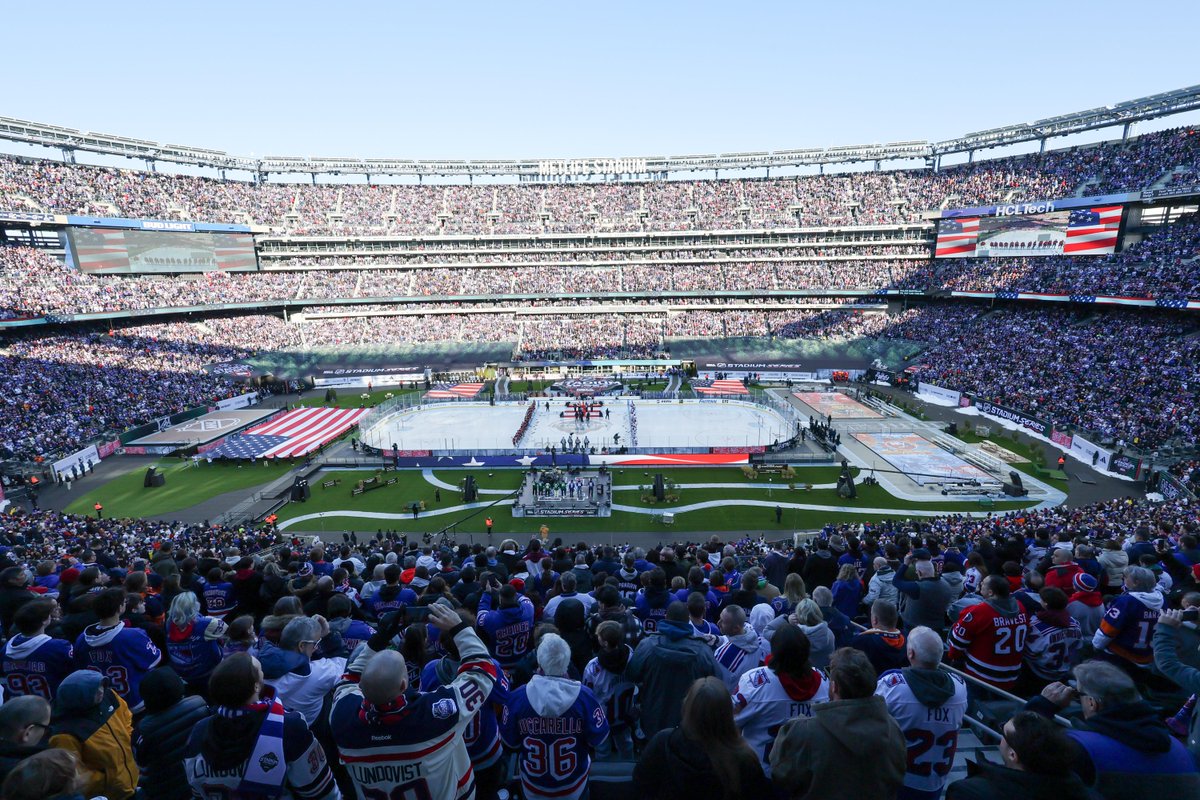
{"points": [[848, 748], [300, 684], [933, 702], [738, 654], [1086, 608], [100, 734]]}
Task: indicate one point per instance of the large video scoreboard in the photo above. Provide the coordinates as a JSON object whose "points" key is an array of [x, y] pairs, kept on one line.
{"points": [[1077, 226]]}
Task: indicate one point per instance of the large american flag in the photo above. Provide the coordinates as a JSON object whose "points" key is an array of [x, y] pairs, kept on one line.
{"points": [[957, 237], [296, 433], [457, 390], [723, 387], [1092, 231], [101, 249]]}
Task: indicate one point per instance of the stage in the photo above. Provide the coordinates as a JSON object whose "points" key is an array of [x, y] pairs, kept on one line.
{"points": [[565, 493]]}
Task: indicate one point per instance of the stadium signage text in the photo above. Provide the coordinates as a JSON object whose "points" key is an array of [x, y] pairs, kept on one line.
{"points": [[592, 166], [1024, 420], [1044, 207]]}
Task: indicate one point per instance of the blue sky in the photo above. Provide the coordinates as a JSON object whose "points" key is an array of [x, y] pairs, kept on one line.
{"points": [[517, 79]]}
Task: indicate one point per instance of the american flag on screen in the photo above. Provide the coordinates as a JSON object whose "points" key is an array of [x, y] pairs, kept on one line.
{"points": [[99, 249], [957, 237], [1092, 231], [296, 433], [233, 251], [457, 390], [723, 387]]}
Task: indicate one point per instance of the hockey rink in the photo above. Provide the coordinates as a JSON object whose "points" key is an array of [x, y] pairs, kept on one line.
{"points": [[836, 405], [479, 426], [920, 459]]}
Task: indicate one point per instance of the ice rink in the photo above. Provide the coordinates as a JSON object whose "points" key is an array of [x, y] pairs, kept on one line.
{"points": [[836, 405], [479, 426]]}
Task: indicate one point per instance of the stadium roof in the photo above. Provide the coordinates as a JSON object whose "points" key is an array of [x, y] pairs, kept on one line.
{"points": [[70, 139]]}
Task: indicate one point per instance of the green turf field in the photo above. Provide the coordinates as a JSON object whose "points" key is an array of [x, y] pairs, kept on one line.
{"points": [[352, 398], [412, 487], [186, 486]]}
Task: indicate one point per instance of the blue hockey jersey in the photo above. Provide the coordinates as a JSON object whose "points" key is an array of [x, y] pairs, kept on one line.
{"points": [[483, 734], [195, 651], [554, 724], [219, 599], [36, 664], [123, 655], [508, 631]]}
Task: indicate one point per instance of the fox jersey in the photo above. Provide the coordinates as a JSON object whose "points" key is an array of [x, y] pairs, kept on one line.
{"points": [[763, 703], [219, 599], [123, 655], [1052, 649], [483, 734], [509, 629], [36, 664], [555, 752], [930, 732], [993, 643], [1129, 626], [413, 748]]}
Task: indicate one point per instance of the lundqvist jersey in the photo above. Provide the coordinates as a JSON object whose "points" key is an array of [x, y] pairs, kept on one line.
{"points": [[763, 703], [930, 732], [413, 748], [993, 643], [555, 743], [36, 664], [483, 734], [123, 655]]}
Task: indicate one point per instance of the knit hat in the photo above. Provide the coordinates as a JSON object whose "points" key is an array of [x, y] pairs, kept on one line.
{"points": [[161, 689], [1084, 582], [517, 584], [69, 575]]}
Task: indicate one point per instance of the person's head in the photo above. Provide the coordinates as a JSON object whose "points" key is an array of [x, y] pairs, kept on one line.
{"points": [[24, 720], [609, 598], [1139, 579], [384, 678], [289, 606], [391, 574], [794, 589], [508, 596], [161, 689], [851, 676], [14, 577], [1061, 555], [808, 613], [338, 606], [1103, 685], [848, 572], [823, 596], [109, 604], [553, 656], [215, 575], [790, 650], [33, 617], [1053, 598], [48, 774], [184, 609], [924, 647], [1032, 743], [995, 587], [301, 635], [925, 570], [235, 682], [884, 615], [879, 564], [609, 635], [707, 720], [697, 605], [569, 582], [677, 612], [732, 621], [242, 629]]}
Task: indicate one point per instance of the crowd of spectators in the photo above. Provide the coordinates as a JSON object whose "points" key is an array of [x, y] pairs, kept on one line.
{"points": [[198, 658]]}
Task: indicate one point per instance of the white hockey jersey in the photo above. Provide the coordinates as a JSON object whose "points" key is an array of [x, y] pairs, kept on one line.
{"points": [[930, 731], [763, 702]]}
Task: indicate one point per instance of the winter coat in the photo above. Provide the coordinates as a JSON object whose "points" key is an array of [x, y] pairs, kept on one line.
{"points": [[675, 767], [159, 745], [301, 685], [986, 781], [848, 748], [881, 588], [664, 665], [1166, 658], [1114, 563], [99, 734], [923, 602]]}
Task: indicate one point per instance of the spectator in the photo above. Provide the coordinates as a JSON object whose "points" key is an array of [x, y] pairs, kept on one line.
{"points": [[124, 655], [1166, 659], [237, 750], [509, 627], [847, 591], [34, 662], [93, 722], [850, 746], [161, 737], [923, 602], [611, 608], [48, 775], [883, 642], [1037, 763], [24, 721], [740, 649], [376, 723], [553, 721], [821, 568], [664, 666], [568, 583], [300, 683], [1126, 631], [1062, 571], [704, 752], [1123, 749], [929, 705], [14, 593], [989, 638], [880, 587], [193, 642], [788, 687], [605, 676], [1085, 605], [1053, 646]]}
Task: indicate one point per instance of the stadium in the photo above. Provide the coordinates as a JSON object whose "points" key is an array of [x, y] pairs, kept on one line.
{"points": [[314, 385]]}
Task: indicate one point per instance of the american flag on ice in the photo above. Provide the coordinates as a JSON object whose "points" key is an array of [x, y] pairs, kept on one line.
{"points": [[723, 387], [457, 390], [295, 433]]}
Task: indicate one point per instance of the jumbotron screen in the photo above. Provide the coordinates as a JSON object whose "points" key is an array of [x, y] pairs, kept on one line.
{"points": [[1082, 232], [127, 250]]}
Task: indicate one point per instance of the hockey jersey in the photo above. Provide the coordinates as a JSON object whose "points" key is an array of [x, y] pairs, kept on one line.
{"points": [[1054, 642], [764, 701], [509, 630], [616, 693], [195, 651], [36, 664], [483, 734], [737, 655], [1127, 628], [388, 600], [413, 748], [991, 636], [219, 599], [123, 655], [929, 706], [651, 608], [554, 724]]}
